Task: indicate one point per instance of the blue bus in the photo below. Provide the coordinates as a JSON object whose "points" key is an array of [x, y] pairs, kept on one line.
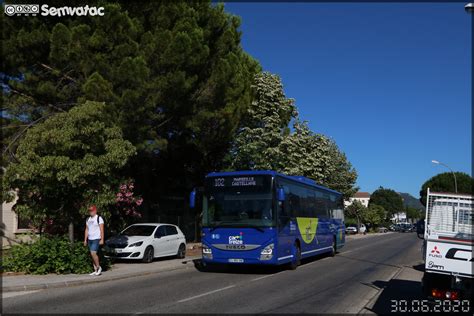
{"points": [[264, 217]]}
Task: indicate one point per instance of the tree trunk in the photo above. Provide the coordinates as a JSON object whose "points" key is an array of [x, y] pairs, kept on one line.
{"points": [[71, 232]]}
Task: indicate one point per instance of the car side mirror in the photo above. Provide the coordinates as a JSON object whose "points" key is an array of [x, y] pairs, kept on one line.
{"points": [[192, 199], [280, 194]]}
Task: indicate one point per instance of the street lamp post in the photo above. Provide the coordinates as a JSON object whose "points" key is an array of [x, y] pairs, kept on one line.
{"points": [[454, 175]]}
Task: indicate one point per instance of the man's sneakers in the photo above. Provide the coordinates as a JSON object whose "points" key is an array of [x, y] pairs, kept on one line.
{"points": [[97, 272]]}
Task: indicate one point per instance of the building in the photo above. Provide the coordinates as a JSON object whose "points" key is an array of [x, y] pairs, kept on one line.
{"points": [[362, 197], [12, 228]]}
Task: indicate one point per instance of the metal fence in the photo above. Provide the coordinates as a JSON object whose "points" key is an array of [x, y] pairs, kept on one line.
{"points": [[449, 213]]}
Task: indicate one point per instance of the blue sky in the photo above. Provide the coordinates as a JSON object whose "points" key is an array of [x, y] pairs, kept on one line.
{"points": [[390, 82]]}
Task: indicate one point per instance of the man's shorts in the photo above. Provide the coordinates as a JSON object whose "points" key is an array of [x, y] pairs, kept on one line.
{"points": [[93, 244]]}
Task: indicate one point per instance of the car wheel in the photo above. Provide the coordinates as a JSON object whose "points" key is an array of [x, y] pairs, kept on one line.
{"points": [[296, 257], [148, 255], [181, 251]]}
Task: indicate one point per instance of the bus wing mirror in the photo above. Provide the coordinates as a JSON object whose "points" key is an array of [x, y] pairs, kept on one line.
{"points": [[192, 199], [280, 194]]}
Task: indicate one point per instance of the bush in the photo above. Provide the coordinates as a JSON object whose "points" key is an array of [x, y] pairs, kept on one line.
{"points": [[49, 255]]}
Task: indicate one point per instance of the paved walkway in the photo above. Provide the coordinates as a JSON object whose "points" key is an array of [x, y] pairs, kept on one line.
{"points": [[120, 270]]}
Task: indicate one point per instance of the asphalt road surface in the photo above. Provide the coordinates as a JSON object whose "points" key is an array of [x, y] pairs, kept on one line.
{"points": [[341, 284]]}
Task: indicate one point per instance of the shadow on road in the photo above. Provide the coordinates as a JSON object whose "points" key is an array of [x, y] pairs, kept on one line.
{"points": [[397, 295], [248, 269]]}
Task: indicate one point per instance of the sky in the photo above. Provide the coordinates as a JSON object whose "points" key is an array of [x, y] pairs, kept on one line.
{"points": [[389, 82]]}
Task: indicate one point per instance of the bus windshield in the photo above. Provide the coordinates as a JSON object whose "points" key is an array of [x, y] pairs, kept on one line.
{"points": [[238, 202]]}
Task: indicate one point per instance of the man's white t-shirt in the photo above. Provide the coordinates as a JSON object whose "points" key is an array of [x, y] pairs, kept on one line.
{"points": [[93, 227]]}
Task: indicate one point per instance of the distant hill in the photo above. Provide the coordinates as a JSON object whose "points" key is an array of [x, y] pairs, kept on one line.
{"points": [[411, 201]]}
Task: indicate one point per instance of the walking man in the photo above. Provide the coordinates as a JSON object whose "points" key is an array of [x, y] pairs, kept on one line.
{"points": [[94, 237]]}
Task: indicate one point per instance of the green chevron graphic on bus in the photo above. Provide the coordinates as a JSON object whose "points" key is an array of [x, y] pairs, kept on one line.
{"points": [[307, 227]]}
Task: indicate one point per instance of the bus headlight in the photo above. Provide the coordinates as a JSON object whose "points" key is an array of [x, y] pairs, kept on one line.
{"points": [[267, 252], [206, 252]]}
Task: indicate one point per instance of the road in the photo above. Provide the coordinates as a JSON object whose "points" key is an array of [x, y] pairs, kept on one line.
{"points": [[341, 284]]}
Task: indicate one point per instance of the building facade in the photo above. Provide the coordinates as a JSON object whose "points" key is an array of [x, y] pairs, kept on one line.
{"points": [[362, 197]]}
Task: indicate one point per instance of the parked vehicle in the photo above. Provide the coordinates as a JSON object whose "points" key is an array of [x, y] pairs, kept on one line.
{"points": [[351, 230], [382, 229], [146, 242], [405, 228], [448, 242], [362, 229]]}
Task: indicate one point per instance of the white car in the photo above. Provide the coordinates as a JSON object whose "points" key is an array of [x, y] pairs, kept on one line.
{"points": [[147, 241]]}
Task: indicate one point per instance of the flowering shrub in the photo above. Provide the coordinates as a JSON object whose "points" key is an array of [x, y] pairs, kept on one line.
{"points": [[126, 209]]}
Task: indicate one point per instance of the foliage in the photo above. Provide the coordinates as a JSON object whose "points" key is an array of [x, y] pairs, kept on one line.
{"points": [[413, 213], [49, 255], [264, 126], [126, 208], [172, 74], [374, 215], [355, 210], [264, 141], [444, 182], [411, 201], [66, 163], [390, 200]]}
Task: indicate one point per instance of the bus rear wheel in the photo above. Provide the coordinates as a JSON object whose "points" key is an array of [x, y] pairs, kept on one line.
{"points": [[296, 257]]}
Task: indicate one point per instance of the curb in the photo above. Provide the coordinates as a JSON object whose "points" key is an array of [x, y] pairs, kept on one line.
{"points": [[43, 286]]}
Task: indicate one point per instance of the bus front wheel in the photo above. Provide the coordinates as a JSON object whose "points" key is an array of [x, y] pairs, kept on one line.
{"points": [[334, 247], [296, 257]]}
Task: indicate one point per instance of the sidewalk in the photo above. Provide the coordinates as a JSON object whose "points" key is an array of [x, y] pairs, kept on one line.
{"points": [[118, 271], [403, 288]]}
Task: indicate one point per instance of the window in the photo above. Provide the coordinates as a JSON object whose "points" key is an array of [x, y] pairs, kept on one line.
{"points": [[171, 230], [161, 231], [23, 222]]}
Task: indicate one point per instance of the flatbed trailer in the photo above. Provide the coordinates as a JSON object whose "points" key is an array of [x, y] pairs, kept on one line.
{"points": [[448, 247]]}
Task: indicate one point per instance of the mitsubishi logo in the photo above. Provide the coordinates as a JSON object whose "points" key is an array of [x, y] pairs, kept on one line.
{"points": [[435, 253]]}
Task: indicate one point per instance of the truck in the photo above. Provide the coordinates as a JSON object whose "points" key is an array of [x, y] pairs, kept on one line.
{"points": [[448, 247]]}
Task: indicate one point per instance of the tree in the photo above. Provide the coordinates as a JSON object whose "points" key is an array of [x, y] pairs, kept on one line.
{"points": [[264, 141], [356, 210], [173, 75], [264, 126], [444, 182], [390, 200], [65, 164], [374, 215], [413, 213]]}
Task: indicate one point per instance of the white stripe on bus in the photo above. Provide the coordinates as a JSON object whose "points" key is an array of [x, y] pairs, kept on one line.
{"points": [[283, 258], [315, 250]]}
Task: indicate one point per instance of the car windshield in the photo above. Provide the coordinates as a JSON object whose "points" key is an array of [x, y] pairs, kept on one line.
{"points": [[239, 201], [139, 230]]}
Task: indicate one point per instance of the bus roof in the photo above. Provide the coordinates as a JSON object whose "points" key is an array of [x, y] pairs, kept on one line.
{"points": [[299, 179]]}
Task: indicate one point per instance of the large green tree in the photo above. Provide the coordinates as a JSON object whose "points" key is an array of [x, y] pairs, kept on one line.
{"points": [[173, 76], [390, 200], [264, 126], [444, 182], [71, 160], [265, 141]]}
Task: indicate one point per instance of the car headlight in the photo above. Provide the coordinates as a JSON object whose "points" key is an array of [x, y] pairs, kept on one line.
{"points": [[267, 252], [206, 252], [137, 244]]}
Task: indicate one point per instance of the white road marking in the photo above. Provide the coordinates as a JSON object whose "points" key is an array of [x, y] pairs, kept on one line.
{"points": [[267, 276], [207, 293], [13, 294]]}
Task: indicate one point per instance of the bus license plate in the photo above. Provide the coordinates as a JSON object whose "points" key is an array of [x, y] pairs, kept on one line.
{"points": [[236, 260]]}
